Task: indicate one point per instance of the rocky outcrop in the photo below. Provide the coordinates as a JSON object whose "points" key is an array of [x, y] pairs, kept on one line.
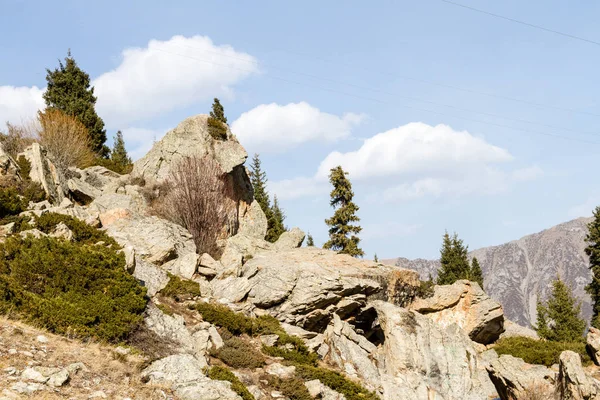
{"points": [[307, 286], [464, 303], [512, 329], [593, 344], [44, 172], [9, 170], [572, 382], [515, 379], [515, 272], [413, 360]]}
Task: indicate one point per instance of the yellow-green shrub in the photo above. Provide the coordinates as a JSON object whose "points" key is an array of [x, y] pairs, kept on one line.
{"points": [[220, 373], [237, 353], [181, 289], [10, 202], [539, 351], [336, 381]]}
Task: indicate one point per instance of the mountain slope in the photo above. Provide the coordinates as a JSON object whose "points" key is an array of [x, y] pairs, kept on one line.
{"points": [[516, 271]]}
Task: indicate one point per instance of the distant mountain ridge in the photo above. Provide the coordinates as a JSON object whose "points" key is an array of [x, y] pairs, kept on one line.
{"points": [[516, 271]]}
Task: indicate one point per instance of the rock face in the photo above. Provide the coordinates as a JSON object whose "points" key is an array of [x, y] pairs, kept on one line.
{"points": [[8, 166], [572, 382], [45, 173], [515, 379], [515, 330], [417, 360], [593, 344], [515, 272], [465, 304], [306, 286]]}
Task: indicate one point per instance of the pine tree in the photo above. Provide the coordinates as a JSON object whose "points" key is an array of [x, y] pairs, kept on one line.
{"points": [[559, 319], [217, 122], [340, 224], [453, 260], [119, 157], [277, 227], [476, 275], [593, 251], [69, 90], [309, 241], [375, 258]]}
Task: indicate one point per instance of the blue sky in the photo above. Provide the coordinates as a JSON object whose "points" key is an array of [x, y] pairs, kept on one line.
{"points": [[313, 84]]}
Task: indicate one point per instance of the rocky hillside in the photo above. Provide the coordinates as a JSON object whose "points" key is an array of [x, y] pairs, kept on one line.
{"points": [[257, 321], [517, 271]]}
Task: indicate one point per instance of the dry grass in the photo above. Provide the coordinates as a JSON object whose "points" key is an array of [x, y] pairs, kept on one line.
{"points": [[65, 138], [16, 139], [117, 377], [537, 391]]}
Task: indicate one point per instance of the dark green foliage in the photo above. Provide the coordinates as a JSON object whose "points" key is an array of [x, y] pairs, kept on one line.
{"points": [[275, 223], [310, 241], [539, 351], [293, 388], [224, 317], [70, 288], [181, 289], [165, 309], [220, 373], [294, 355], [336, 381], [375, 258], [453, 260], [69, 90], [82, 232], [340, 225], [593, 251], [24, 168], [475, 274], [238, 353], [31, 191], [119, 160], [559, 319], [10, 202], [217, 122], [22, 222], [426, 288]]}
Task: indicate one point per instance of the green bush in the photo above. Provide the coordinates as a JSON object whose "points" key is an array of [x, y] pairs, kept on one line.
{"points": [[238, 353], [70, 288], [292, 355], [10, 202], [539, 351], [292, 388], [336, 381], [24, 168], [82, 232], [31, 191], [181, 289], [224, 317], [217, 129], [113, 166], [224, 374]]}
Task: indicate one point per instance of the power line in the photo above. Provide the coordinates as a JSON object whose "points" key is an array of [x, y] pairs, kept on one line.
{"points": [[522, 22], [384, 102], [596, 134]]}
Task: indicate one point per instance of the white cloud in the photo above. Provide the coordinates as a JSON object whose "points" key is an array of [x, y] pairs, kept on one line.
{"points": [[418, 160], [166, 75], [19, 104], [297, 187], [277, 128], [139, 140]]}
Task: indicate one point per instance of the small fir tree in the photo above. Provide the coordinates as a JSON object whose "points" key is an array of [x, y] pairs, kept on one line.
{"points": [[217, 122], [277, 227], [454, 261], [375, 258], [119, 157], [593, 251], [309, 241], [342, 233], [69, 90], [476, 275], [559, 319]]}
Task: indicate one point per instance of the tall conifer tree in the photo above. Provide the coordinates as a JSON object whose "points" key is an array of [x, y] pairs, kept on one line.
{"points": [[69, 90], [476, 275], [217, 122], [593, 251], [559, 318], [454, 261], [342, 231], [119, 157], [309, 241]]}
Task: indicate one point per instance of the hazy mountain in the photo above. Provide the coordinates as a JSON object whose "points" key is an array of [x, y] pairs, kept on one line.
{"points": [[515, 272]]}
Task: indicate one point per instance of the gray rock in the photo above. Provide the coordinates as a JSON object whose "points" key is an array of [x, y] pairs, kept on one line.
{"points": [[572, 382], [512, 329], [207, 266], [320, 391], [230, 289], [593, 344], [215, 338], [129, 253], [206, 389], [184, 266], [253, 222], [8, 166], [109, 201], [62, 231], [45, 173], [465, 304], [59, 379], [280, 371], [514, 378], [290, 240], [175, 369], [269, 340], [82, 191], [36, 233], [151, 276]]}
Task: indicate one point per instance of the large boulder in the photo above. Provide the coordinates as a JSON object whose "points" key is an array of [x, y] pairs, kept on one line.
{"points": [[572, 382], [44, 172], [414, 358], [512, 329], [467, 305], [515, 379], [306, 286], [8, 167], [593, 344]]}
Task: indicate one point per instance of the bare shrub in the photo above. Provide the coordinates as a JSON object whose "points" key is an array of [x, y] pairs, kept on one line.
{"points": [[536, 391], [16, 139], [200, 199], [65, 138]]}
